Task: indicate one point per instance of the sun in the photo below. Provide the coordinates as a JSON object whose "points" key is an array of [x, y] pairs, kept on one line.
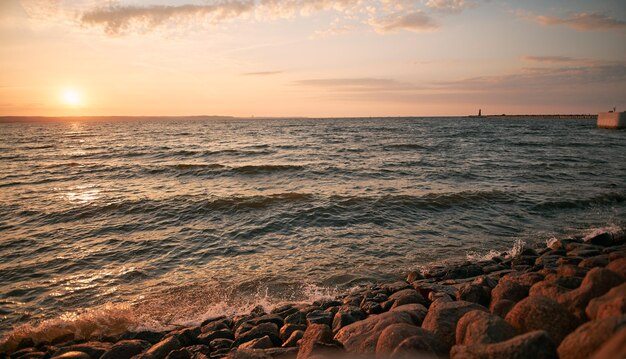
{"points": [[71, 97]]}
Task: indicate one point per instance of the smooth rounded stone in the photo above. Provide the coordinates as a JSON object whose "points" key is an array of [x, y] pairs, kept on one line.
{"points": [[568, 270], [536, 345], [583, 252], [352, 300], [296, 318], [261, 330], [589, 337], [413, 276], [435, 272], [319, 317], [268, 318], [372, 308], [341, 320], [293, 339], [474, 293], [259, 343], [494, 268], [479, 327], [327, 303], [215, 325], [528, 260], [73, 355], [596, 283], [406, 296], [547, 260], [147, 335], [597, 261], [399, 285], [618, 266], [425, 345], [439, 296], [612, 304], [603, 239], [206, 338], [287, 329], [221, 343], [508, 288], [93, 349], [186, 336], [24, 343], [442, 319], [282, 353], [126, 349], [179, 354], [464, 271], [284, 310], [569, 260], [416, 311], [318, 338], [502, 307], [426, 288], [395, 334], [613, 348], [361, 337], [248, 354], [542, 313], [161, 349], [617, 255]]}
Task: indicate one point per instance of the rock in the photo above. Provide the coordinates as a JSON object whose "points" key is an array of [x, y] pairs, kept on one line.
{"points": [[296, 318], [93, 349], [509, 288], [536, 345], [464, 271], [161, 349], [596, 283], [424, 345], [221, 343], [537, 313], [186, 336], [395, 334], [318, 338], [268, 318], [613, 348], [602, 239], [502, 307], [442, 319], [207, 338], [259, 331], [319, 317], [479, 327], [248, 354], [406, 296], [571, 271], [284, 310], [597, 261], [413, 276], [288, 329], [126, 349], [292, 341], [259, 343], [589, 337], [149, 336], [416, 311], [372, 308], [361, 337], [327, 303], [397, 286], [179, 354], [612, 304], [474, 293], [618, 266], [73, 355]]}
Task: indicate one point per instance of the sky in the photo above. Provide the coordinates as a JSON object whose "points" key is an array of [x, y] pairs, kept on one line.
{"points": [[311, 58]]}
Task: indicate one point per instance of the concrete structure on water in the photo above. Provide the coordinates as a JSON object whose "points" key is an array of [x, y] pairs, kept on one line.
{"points": [[612, 119]]}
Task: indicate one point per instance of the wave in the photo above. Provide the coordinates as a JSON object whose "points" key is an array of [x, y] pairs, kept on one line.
{"points": [[598, 200], [260, 169], [404, 147]]}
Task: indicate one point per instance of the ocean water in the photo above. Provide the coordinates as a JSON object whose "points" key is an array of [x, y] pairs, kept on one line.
{"points": [[157, 222]]}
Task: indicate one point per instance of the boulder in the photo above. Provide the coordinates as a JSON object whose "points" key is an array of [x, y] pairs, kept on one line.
{"points": [[464, 271], [442, 319], [536, 345], [416, 311], [288, 329], [292, 341], [93, 349], [541, 313], [296, 318], [361, 337], [613, 348], [259, 331], [318, 338], [161, 349], [474, 293], [424, 345], [73, 355], [479, 327], [319, 317], [208, 337], [259, 343], [618, 266], [406, 296], [126, 349], [502, 307], [568, 270], [612, 304], [268, 318], [589, 337], [597, 261], [596, 283], [395, 334]]}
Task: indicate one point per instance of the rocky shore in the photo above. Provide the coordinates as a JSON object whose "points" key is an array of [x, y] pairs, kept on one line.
{"points": [[564, 301]]}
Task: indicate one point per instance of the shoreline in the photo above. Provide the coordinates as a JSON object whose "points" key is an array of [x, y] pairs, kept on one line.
{"points": [[554, 302]]}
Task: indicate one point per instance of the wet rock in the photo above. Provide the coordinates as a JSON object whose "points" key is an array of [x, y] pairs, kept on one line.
{"points": [[423, 345], [395, 334], [73, 355], [27, 342], [317, 339], [259, 343], [397, 286], [479, 327], [282, 353], [288, 329], [149, 336], [319, 317], [207, 338], [541, 313], [161, 349], [63, 338], [296, 318], [464, 271], [187, 336], [597, 261], [293, 339], [547, 260], [442, 319], [413, 276], [571, 271], [361, 337], [406, 296], [221, 343], [416, 311], [589, 337], [613, 348], [284, 310], [507, 289], [596, 283], [268, 318], [372, 308], [426, 288], [618, 266], [259, 331], [474, 293], [126, 349], [611, 304], [502, 307], [536, 345], [93, 349], [602, 239]]}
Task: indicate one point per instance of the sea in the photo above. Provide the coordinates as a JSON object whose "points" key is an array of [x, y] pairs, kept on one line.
{"points": [[148, 223]]}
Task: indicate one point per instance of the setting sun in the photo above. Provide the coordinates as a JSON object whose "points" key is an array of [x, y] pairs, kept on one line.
{"points": [[71, 97]]}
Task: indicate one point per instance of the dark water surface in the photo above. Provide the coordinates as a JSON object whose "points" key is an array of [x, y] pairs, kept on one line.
{"points": [[172, 220]]}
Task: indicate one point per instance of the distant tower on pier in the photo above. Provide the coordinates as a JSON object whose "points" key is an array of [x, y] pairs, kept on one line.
{"points": [[480, 112]]}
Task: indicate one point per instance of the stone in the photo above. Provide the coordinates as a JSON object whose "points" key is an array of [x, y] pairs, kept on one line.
{"points": [[288, 329], [361, 337], [319, 317], [186, 336], [602, 239], [318, 338], [268, 318], [416, 311], [161, 349], [464, 271], [371, 307], [259, 331], [125, 349], [208, 337], [596, 283], [220, 343], [502, 307], [597, 261], [292, 341], [147, 335], [93, 349], [73, 355], [442, 319], [589, 337], [508, 289], [612, 304], [395, 334], [259, 343], [567, 270], [613, 348], [296, 318], [474, 293], [536, 345], [618, 266], [542, 313], [397, 286], [423, 345], [413, 276], [479, 327], [407, 296]]}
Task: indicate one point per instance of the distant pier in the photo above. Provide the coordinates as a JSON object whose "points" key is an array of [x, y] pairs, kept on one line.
{"points": [[563, 117], [612, 119]]}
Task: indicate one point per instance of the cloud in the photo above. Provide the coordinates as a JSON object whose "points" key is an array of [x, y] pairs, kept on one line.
{"points": [[416, 21], [117, 19], [356, 84], [262, 73], [450, 6], [550, 59], [584, 21]]}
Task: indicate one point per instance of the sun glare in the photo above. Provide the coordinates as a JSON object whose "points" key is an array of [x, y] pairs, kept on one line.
{"points": [[71, 98]]}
